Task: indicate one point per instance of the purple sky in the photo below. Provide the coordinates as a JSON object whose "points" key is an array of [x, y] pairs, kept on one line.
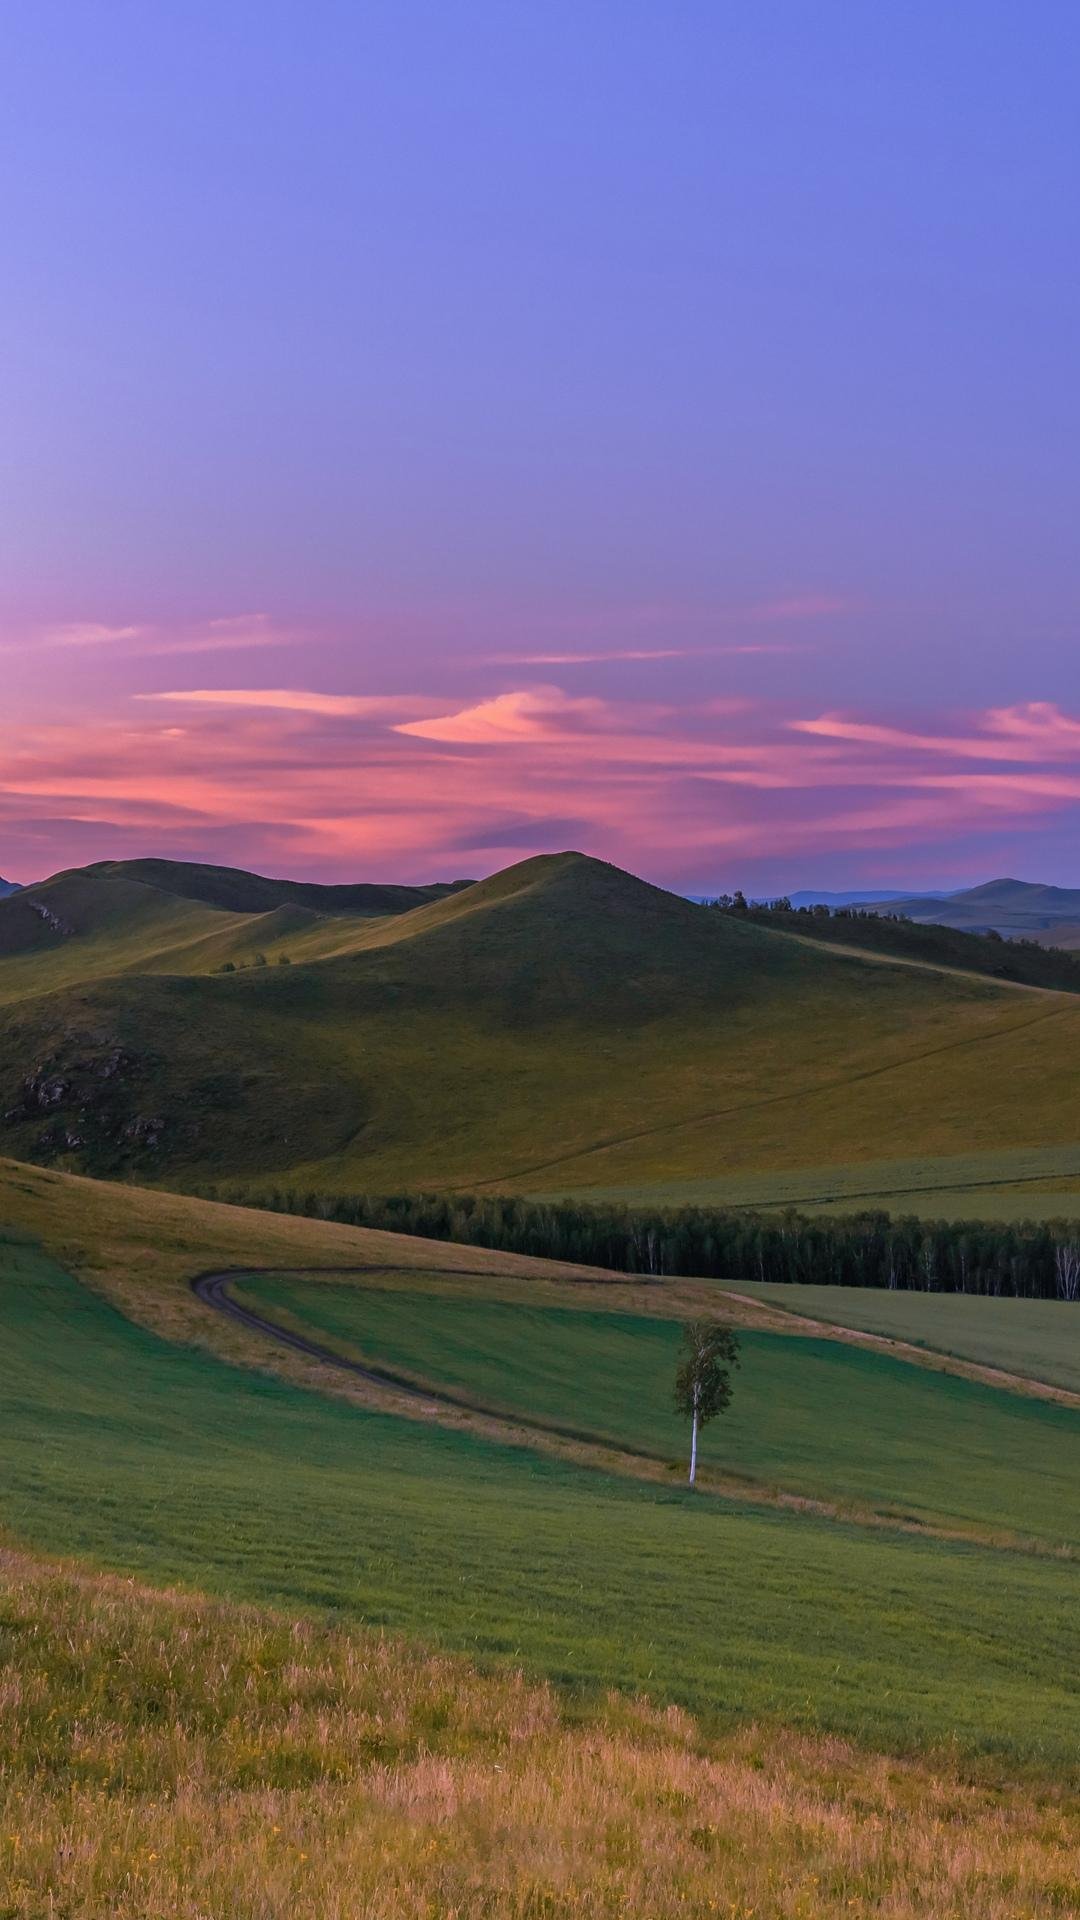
{"points": [[433, 434]]}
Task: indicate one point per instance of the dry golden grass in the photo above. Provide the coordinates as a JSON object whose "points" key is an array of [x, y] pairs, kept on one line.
{"points": [[164, 1756]]}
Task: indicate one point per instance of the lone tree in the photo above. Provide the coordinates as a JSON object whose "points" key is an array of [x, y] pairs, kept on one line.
{"points": [[703, 1382]]}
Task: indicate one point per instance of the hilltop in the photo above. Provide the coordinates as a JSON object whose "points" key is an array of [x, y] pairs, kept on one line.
{"points": [[7, 887], [559, 1025], [240, 892]]}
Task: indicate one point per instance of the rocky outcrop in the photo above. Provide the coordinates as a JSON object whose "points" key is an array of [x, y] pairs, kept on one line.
{"points": [[52, 920]]}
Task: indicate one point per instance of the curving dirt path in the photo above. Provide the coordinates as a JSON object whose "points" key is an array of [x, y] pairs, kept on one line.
{"points": [[213, 1290]]}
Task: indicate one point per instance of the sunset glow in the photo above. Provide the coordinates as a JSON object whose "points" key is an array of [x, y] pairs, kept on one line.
{"points": [[482, 435]]}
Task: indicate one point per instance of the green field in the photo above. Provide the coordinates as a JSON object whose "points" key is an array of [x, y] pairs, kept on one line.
{"points": [[1026, 1183], [908, 1442], [146, 1455], [1037, 1338]]}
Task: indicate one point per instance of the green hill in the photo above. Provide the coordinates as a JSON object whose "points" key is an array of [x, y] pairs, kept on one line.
{"points": [[1021, 958], [240, 892], [159, 916], [560, 1025]]}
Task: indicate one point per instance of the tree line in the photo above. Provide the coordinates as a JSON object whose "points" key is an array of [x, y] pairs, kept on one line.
{"points": [[1015, 958], [1032, 1260]]}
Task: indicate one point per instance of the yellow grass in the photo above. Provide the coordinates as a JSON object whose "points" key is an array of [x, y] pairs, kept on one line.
{"points": [[164, 1756]]}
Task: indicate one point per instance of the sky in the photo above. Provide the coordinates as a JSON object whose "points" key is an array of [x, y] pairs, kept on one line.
{"points": [[437, 433]]}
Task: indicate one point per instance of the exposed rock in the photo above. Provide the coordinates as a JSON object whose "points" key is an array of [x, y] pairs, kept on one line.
{"points": [[51, 919]]}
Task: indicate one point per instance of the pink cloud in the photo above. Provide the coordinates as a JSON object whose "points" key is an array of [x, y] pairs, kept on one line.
{"points": [[537, 713], [294, 700], [343, 783], [235, 632], [1002, 733]]}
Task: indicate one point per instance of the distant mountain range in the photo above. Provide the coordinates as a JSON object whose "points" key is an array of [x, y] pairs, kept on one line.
{"points": [[6, 887], [810, 898], [1014, 908], [1017, 909]]}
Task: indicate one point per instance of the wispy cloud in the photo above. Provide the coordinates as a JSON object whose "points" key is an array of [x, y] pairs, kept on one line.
{"points": [[89, 633], [72, 633], [535, 713], [630, 653], [295, 700], [1036, 729], [342, 782], [233, 633]]}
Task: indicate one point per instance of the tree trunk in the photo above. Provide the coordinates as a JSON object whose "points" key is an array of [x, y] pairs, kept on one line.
{"points": [[693, 1441]]}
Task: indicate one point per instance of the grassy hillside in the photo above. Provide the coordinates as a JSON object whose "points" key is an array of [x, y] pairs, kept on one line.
{"points": [[559, 1026], [947, 1452], [1036, 1337], [336, 1774], [1019, 958], [159, 916], [1027, 1183], [240, 892], [279, 1746], [139, 1452]]}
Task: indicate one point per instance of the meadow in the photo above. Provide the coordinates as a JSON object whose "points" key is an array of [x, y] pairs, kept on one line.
{"points": [[1024, 1183], [164, 1754], [147, 1455], [362, 1658], [941, 1450], [1040, 1338]]}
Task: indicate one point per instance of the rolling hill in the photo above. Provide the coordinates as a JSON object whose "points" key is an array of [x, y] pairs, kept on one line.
{"points": [[7, 887], [408, 1648], [1009, 907], [558, 1026]]}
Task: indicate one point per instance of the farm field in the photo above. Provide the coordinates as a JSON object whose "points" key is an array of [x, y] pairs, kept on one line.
{"points": [[1040, 1338], [1028, 1183], [941, 1450]]}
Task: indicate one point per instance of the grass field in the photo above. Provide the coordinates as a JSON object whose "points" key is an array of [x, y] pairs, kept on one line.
{"points": [[929, 1447], [171, 1754], [143, 1454], [1027, 1183], [1036, 1337], [162, 1755]]}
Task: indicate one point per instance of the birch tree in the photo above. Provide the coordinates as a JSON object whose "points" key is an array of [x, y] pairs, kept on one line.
{"points": [[703, 1382], [1067, 1267]]}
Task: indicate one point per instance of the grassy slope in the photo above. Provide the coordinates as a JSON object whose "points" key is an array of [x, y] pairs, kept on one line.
{"points": [[163, 1755], [122, 918], [1040, 1338], [909, 1442], [560, 1025], [144, 1454], [242, 892], [936, 943], [1017, 1184]]}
